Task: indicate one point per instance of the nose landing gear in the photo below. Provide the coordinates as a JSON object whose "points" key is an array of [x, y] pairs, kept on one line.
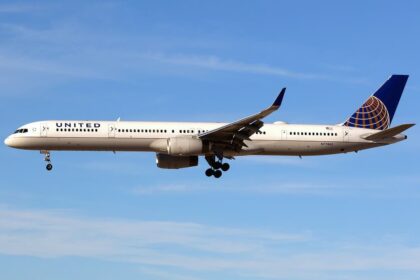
{"points": [[216, 167], [47, 159]]}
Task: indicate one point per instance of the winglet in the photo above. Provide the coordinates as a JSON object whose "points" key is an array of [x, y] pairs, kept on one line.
{"points": [[279, 98]]}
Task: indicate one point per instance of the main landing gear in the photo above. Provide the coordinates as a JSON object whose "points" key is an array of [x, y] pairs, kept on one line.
{"points": [[216, 167], [47, 159]]}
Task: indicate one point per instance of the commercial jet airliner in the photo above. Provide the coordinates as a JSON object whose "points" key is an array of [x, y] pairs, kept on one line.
{"points": [[180, 144]]}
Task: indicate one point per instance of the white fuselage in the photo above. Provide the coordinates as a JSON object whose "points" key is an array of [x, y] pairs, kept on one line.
{"points": [[274, 139]]}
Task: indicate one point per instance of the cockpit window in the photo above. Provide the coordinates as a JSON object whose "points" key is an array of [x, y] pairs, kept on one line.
{"points": [[22, 130]]}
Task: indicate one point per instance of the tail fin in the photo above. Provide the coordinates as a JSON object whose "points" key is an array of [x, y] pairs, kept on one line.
{"points": [[377, 112]]}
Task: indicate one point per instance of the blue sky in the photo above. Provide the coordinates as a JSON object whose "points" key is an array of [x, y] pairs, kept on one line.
{"points": [[107, 216]]}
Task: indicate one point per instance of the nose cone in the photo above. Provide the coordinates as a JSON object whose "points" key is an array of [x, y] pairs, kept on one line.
{"points": [[8, 141]]}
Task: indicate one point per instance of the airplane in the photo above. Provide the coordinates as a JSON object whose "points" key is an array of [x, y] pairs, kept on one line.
{"points": [[180, 144]]}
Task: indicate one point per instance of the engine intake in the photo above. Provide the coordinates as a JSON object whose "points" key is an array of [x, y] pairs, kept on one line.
{"points": [[175, 162], [183, 146]]}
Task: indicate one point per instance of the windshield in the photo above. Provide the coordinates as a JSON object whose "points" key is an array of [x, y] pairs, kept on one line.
{"points": [[22, 130]]}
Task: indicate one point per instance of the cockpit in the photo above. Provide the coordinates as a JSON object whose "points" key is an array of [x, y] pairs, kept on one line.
{"points": [[22, 130]]}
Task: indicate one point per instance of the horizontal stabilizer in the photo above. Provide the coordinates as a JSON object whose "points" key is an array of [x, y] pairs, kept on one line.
{"points": [[388, 133]]}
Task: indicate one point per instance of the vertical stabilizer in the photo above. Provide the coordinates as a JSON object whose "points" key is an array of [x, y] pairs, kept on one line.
{"points": [[379, 109]]}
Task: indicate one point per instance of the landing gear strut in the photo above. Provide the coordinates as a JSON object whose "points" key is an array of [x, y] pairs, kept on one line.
{"points": [[215, 166], [47, 159]]}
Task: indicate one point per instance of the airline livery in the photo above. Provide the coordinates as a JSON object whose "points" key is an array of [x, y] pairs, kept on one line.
{"points": [[180, 144]]}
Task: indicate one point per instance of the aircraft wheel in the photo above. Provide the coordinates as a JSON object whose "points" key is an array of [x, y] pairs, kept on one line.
{"points": [[217, 165], [49, 166], [209, 172], [217, 173], [225, 166]]}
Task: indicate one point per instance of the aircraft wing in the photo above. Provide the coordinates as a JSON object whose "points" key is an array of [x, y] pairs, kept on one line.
{"points": [[234, 134]]}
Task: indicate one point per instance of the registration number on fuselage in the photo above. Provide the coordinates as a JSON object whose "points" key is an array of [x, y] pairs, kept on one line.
{"points": [[327, 144]]}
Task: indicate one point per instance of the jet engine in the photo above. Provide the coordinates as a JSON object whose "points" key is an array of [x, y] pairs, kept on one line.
{"points": [[175, 162], [183, 146]]}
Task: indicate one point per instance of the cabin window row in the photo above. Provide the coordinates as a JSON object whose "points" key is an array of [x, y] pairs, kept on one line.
{"points": [[158, 130], [260, 132], [314, 133], [144, 130], [77, 129]]}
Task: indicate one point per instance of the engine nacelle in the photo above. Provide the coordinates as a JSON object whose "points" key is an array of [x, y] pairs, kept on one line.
{"points": [[175, 162], [183, 146]]}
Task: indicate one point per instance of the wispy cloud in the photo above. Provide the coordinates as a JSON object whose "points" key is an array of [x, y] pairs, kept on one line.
{"points": [[217, 63], [380, 188], [192, 246]]}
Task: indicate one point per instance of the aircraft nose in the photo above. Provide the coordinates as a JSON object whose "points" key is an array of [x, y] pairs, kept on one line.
{"points": [[8, 141]]}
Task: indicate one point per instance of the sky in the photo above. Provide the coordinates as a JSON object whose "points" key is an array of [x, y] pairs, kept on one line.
{"points": [[100, 215]]}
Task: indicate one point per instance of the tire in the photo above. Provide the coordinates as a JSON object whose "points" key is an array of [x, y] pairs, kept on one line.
{"points": [[49, 167], [217, 173], [225, 166], [209, 172]]}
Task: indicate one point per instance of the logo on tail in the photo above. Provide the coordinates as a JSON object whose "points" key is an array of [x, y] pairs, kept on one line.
{"points": [[377, 112], [373, 114]]}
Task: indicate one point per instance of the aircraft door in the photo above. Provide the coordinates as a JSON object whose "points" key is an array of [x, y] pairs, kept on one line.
{"points": [[111, 130], [346, 135], [283, 134], [44, 128]]}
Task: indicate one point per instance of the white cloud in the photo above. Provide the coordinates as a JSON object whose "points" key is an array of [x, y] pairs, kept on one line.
{"points": [[58, 234], [194, 247]]}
